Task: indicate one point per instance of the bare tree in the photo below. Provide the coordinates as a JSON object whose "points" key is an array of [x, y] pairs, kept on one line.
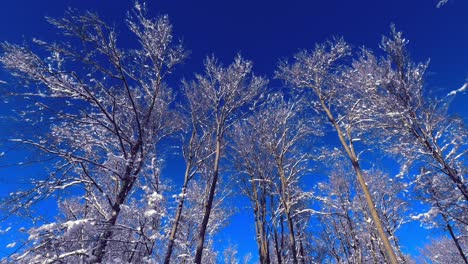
{"points": [[393, 89], [348, 233], [412, 127], [441, 250], [196, 152], [268, 149], [319, 71], [221, 95], [186, 238], [118, 109], [255, 172]]}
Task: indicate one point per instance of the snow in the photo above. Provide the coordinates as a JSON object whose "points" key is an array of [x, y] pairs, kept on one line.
{"points": [[180, 195], [34, 234], [137, 6], [6, 230], [61, 187], [428, 215], [154, 197], [73, 225], [150, 213], [11, 245], [462, 89], [64, 255], [441, 3]]}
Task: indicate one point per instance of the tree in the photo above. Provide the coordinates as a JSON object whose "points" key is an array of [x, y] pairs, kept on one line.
{"points": [[255, 172], [319, 72], [414, 128], [268, 146], [197, 152], [393, 89], [221, 96], [348, 233], [445, 210], [441, 250], [186, 238], [118, 109]]}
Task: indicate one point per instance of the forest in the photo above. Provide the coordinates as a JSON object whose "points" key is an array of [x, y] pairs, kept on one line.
{"points": [[142, 166]]}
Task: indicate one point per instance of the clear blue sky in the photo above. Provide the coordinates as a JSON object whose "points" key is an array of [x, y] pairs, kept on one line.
{"points": [[266, 31]]}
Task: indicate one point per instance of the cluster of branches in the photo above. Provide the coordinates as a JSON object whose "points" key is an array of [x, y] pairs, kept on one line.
{"points": [[111, 119]]}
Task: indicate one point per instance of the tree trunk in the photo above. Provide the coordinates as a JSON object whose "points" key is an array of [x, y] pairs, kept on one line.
{"points": [[301, 251], [292, 238], [100, 250], [455, 239], [259, 214], [209, 202], [180, 206], [129, 178], [265, 244], [285, 200], [276, 238], [354, 160]]}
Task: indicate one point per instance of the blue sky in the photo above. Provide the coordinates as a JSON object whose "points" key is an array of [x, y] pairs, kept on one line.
{"points": [[266, 31]]}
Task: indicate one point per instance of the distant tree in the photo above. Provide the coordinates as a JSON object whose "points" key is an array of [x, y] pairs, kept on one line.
{"points": [[115, 110], [230, 255], [341, 220], [445, 211], [392, 205]]}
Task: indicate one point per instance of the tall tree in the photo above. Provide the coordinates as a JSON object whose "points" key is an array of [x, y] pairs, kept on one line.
{"points": [[255, 172], [269, 146], [319, 72], [393, 90], [348, 233], [118, 109], [415, 128], [222, 94], [197, 152], [186, 238], [442, 250]]}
